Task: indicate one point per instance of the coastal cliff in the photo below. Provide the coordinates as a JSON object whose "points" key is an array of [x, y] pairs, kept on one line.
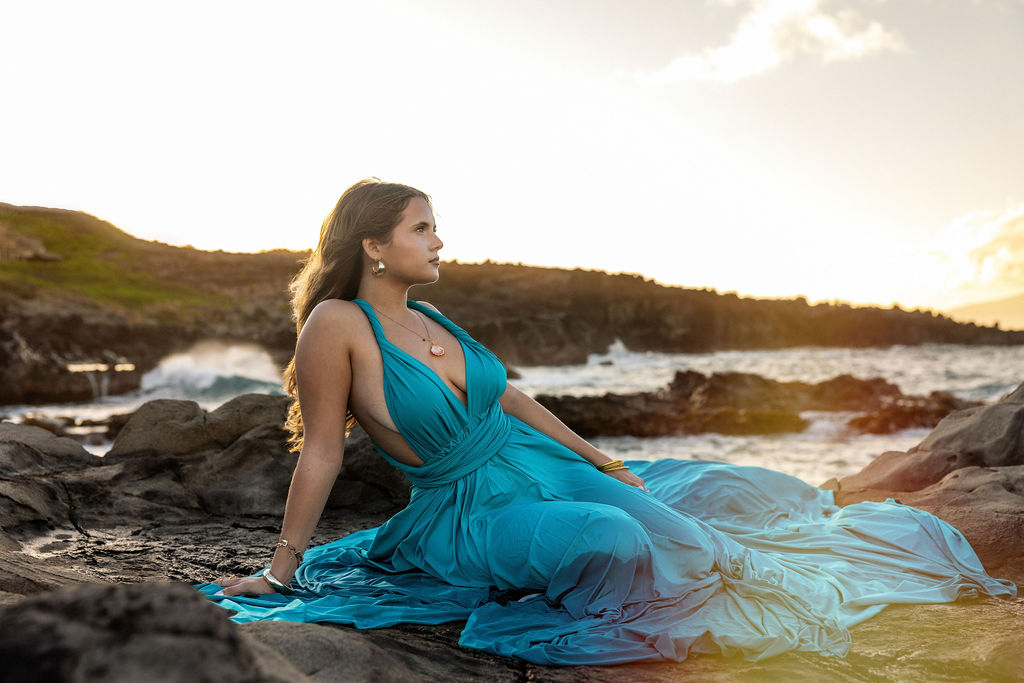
{"points": [[77, 290]]}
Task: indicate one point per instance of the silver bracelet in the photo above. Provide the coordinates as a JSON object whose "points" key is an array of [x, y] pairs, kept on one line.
{"points": [[275, 584]]}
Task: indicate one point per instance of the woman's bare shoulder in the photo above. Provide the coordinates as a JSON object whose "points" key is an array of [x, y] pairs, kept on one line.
{"points": [[335, 322]]}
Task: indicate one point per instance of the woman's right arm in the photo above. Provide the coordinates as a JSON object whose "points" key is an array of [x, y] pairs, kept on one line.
{"points": [[323, 372]]}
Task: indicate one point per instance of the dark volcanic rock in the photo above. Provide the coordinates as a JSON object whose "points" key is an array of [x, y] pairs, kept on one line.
{"points": [[25, 449], [909, 412], [141, 516], [39, 340], [21, 574], [740, 403], [141, 632], [968, 471], [32, 496], [174, 463], [235, 459]]}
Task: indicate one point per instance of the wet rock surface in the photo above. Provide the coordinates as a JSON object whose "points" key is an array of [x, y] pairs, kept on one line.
{"points": [[89, 545], [744, 403]]}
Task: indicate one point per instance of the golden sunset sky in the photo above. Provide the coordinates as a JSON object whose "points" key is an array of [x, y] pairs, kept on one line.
{"points": [[866, 151]]}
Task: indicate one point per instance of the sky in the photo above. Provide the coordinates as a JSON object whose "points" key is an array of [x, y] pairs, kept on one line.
{"points": [[871, 151]]}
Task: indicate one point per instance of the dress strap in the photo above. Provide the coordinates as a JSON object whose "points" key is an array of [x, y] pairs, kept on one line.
{"points": [[371, 315], [457, 331]]}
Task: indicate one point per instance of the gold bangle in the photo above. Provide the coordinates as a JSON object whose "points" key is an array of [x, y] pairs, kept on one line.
{"points": [[614, 469], [275, 584], [610, 465]]}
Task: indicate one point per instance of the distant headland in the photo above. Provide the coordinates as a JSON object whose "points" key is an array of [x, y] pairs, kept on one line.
{"points": [[77, 292]]}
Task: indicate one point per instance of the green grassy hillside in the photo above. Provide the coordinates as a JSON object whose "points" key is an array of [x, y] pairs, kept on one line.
{"points": [[105, 265]]}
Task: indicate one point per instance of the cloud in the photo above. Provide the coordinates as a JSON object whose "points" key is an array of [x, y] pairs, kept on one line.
{"points": [[774, 31], [981, 256]]}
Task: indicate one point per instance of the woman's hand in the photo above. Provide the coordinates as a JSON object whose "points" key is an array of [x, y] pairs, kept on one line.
{"points": [[627, 477], [243, 585]]}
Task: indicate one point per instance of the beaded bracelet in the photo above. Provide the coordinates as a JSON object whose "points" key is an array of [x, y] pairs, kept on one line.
{"points": [[292, 549]]}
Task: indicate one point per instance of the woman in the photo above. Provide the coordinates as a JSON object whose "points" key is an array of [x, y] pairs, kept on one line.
{"points": [[549, 549]]}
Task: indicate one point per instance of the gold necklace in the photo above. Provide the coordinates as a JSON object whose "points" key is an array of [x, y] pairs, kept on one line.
{"points": [[435, 349]]}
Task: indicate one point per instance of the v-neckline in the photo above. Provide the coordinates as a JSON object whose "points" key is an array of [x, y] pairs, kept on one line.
{"points": [[426, 369]]}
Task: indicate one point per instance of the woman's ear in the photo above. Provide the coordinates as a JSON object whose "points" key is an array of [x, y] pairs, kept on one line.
{"points": [[371, 247]]}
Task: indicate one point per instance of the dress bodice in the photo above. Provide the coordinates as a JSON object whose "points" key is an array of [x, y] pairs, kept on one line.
{"points": [[449, 436]]}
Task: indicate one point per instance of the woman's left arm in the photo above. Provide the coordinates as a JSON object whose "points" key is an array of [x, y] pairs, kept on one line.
{"points": [[518, 404]]}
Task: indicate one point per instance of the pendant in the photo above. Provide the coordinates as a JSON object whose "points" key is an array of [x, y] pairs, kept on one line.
{"points": [[436, 350]]}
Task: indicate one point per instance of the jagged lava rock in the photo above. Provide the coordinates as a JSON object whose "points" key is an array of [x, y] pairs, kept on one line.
{"points": [[32, 498]]}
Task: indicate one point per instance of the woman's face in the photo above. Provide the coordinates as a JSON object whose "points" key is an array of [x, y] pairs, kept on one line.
{"points": [[412, 253]]}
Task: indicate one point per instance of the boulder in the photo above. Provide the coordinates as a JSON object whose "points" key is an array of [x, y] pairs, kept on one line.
{"points": [[969, 471], [26, 449], [140, 632], [984, 436], [175, 428]]}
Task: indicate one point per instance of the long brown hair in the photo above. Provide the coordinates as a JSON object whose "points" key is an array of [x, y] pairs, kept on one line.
{"points": [[369, 209]]}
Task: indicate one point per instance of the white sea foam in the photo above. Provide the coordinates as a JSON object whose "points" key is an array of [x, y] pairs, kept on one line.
{"points": [[209, 373], [208, 365]]}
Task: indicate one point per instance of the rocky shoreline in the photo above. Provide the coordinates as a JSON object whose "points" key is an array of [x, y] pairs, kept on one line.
{"points": [[733, 403], [92, 551], [91, 294], [744, 403]]}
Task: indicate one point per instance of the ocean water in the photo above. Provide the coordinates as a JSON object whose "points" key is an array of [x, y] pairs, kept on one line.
{"points": [[975, 372], [211, 373], [825, 449]]}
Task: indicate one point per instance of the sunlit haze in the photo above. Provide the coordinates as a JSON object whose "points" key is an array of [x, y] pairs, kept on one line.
{"points": [[865, 151]]}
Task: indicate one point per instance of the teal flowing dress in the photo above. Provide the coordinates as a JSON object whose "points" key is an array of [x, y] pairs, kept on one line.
{"points": [[548, 560]]}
